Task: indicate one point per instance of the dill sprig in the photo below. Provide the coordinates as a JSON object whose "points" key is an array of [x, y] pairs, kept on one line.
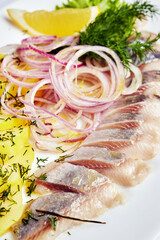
{"points": [[40, 161], [3, 210], [114, 27], [29, 216], [31, 188], [53, 221]]}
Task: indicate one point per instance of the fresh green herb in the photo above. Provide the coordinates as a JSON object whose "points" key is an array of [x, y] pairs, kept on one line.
{"points": [[53, 221], [69, 233], [29, 216], [114, 27], [17, 103], [5, 173], [60, 149], [62, 158], [41, 160], [3, 157], [42, 177], [25, 152], [3, 210], [18, 60], [10, 157], [7, 136], [23, 170], [33, 123], [7, 119], [31, 187], [103, 4], [4, 195]]}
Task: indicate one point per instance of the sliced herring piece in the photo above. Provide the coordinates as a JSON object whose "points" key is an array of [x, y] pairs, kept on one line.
{"points": [[99, 194], [115, 165]]}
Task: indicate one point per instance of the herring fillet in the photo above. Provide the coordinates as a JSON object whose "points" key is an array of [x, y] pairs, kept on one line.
{"points": [[97, 194], [115, 165], [133, 121], [131, 127]]}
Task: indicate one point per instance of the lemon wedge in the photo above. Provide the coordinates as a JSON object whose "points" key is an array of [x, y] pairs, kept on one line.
{"points": [[60, 22]]}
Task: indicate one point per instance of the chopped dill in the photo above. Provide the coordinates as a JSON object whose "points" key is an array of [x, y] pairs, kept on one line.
{"points": [[31, 187], [42, 177], [41, 160], [33, 123], [25, 152], [23, 170], [4, 195], [62, 158], [3, 157], [3, 210], [60, 149], [53, 221], [29, 216]]}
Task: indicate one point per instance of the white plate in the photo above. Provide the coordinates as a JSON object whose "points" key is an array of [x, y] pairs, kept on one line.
{"points": [[139, 218]]}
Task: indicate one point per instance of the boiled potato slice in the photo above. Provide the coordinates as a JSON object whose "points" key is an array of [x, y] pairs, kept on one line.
{"points": [[8, 121], [12, 141], [11, 208], [11, 182], [3, 84], [14, 169]]}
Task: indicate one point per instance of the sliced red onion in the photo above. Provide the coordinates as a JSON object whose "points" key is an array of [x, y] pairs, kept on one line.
{"points": [[9, 49], [69, 96], [73, 95], [39, 39]]}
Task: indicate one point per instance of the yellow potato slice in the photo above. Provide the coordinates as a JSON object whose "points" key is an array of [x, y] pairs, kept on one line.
{"points": [[12, 141], [17, 167], [3, 84], [8, 121], [11, 208], [11, 182]]}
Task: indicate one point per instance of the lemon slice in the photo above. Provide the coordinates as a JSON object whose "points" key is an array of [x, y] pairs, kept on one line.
{"points": [[60, 22]]}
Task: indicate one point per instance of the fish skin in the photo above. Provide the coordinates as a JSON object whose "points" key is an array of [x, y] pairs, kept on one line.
{"points": [[113, 138], [99, 194], [68, 177], [115, 165]]}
